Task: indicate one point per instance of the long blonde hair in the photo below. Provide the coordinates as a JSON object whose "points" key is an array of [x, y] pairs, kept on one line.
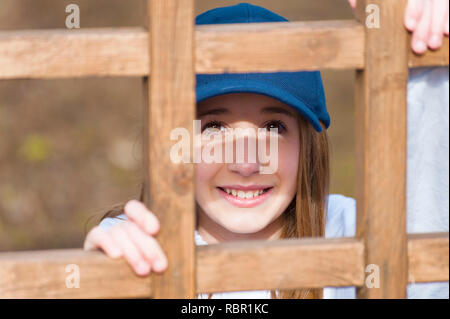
{"points": [[306, 214]]}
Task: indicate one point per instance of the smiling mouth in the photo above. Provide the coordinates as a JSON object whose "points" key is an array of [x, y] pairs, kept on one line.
{"points": [[245, 198], [245, 194]]}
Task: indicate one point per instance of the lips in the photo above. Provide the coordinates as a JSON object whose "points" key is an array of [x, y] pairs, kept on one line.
{"points": [[245, 196]]}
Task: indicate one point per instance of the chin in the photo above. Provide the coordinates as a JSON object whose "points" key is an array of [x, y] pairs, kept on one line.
{"points": [[249, 228]]}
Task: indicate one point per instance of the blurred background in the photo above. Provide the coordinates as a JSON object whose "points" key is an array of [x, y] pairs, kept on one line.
{"points": [[71, 149]]}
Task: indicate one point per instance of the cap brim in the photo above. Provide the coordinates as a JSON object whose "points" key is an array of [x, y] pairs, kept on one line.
{"points": [[221, 87]]}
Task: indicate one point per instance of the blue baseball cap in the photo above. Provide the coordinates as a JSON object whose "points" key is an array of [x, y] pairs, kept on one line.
{"points": [[301, 90]]}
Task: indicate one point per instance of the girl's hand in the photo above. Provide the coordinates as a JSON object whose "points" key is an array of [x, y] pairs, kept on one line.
{"points": [[132, 239], [427, 20]]}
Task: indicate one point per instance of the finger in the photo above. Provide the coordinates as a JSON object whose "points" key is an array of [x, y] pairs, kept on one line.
{"points": [[130, 252], [422, 31], [148, 247], [413, 13], [143, 217], [439, 14], [99, 238]]}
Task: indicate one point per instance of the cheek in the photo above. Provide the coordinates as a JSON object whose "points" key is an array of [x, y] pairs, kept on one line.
{"points": [[204, 177]]}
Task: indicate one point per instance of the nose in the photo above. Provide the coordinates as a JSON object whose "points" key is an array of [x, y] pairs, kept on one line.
{"points": [[244, 169], [245, 148], [246, 164]]}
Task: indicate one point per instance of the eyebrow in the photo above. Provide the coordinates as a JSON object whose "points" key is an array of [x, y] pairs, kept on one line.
{"points": [[278, 109], [214, 112]]}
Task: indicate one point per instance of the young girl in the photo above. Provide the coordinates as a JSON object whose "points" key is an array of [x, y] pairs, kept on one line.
{"points": [[234, 200]]}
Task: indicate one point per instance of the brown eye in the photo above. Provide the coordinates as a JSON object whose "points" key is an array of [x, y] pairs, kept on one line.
{"points": [[214, 126], [278, 125]]}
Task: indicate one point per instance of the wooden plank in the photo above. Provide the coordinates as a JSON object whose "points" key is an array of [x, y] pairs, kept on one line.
{"points": [[380, 133], [280, 46], [123, 51], [428, 257], [284, 264], [430, 58], [172, 105], [73, 53], [43, 274]]}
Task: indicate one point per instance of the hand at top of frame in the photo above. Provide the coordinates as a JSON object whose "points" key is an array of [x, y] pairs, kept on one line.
{"points": [[427, 20], [132, 239]]}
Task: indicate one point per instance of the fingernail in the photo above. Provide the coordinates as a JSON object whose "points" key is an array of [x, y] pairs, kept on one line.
{"points": [[410, 23], [159, 265], [420, 47], [142, 268], [115, 253], [131, 205], [435, 41], [152, 227]]}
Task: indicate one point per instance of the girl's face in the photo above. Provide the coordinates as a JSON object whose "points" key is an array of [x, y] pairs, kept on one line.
{"points": [[236, 197]]}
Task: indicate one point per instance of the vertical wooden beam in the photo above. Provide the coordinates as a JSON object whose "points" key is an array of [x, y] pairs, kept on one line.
{"points": [[169, 186], [381, 150]]}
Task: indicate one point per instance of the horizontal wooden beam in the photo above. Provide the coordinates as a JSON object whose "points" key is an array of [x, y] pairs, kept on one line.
{"points": [[219, 48], [280, 46], [286, 264], [64, 53], [224, 267], [258, 47], [51, 273], [428, 257], [310, 263]]}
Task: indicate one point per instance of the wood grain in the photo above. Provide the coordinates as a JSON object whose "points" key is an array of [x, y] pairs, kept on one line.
{"points": [[280, 46], [428, 257], [42, 274], [380, 136], [73, 53], [285, 264], [171, 92]]}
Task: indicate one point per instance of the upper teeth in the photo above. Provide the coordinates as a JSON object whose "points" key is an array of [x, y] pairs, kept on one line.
{"points": [[242, 194]]}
